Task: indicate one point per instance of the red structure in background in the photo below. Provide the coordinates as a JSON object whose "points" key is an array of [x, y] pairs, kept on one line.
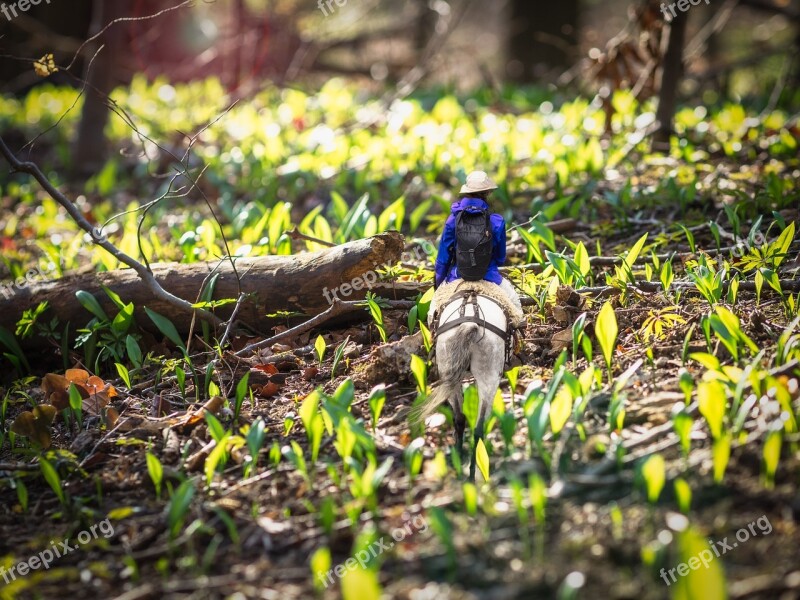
{"points": [[223, 39]]}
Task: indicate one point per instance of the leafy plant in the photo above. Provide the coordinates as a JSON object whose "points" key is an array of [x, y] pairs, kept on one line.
{"points": [[52, 478], [319, 347], [654, 475], [242, 390], [606, 330], [179, 505], [254, 440], [375, 311], [377, 398], [156, 472]]}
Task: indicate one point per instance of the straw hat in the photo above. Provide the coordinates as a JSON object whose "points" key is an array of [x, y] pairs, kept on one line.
{"points": [[478, 181]]}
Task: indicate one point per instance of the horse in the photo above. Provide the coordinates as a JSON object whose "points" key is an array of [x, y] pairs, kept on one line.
{"points": [[472, 324]]}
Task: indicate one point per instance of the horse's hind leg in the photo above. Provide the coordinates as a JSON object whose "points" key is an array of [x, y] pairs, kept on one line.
{"points": [[460, 422]]}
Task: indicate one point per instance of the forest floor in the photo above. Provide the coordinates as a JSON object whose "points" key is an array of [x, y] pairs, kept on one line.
{"points": [[671, 472]]}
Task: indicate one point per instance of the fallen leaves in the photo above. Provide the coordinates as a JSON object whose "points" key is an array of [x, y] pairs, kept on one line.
{"points": [[35, 425], [95, 393]]}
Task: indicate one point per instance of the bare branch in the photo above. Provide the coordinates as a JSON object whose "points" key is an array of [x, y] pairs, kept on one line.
{"points": [[144, 273]]}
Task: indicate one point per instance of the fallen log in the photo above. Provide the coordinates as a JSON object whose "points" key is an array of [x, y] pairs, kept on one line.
{"points": [[302, 283]]}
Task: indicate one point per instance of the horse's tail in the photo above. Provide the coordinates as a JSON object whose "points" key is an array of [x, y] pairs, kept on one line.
{"points": [[454, 362]]}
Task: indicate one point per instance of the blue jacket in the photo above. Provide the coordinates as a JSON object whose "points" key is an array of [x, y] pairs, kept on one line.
{"points": [[448, 243]]}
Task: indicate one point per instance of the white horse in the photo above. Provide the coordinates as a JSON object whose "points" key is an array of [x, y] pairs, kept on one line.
{"points": [[471, 335]]}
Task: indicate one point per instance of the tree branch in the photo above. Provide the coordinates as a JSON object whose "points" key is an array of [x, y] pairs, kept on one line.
{"points": [[97, 236]]}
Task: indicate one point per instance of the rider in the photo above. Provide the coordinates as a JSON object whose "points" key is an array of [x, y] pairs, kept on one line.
{"points": [[473, 199]]}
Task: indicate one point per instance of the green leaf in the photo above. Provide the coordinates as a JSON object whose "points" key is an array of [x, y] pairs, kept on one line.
{"points": [[419, 369], [156, 471], [123, 373], [113, 296], [781, 245], [424, 305], [721, 454], [654, 474], [470, 406], [377, 399], [682, 423], [320, 566], [709, 361], [215, 428], [123, 320], [360, 584], [560, 409], [772, 456], [712, 403], [482, 459], [134, 352], [631, 257], [582, 259], [606, 330], [179, 506], [320, 346], [90, 303], [166, 327], [51, 477], [9, 341], [470, 498], [683, 494], [707, 581], [537, 490], [393, 215], [215, 457], [689, 238]]}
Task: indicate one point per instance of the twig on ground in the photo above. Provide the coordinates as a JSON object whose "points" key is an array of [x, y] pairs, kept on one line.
{"points": [[336, 309]]}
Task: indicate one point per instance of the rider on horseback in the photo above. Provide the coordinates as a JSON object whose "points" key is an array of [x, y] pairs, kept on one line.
{"points": [[473, 244]]}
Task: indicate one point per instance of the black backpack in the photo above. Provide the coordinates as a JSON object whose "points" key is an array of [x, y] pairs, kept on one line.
{"points": [[473, 244]]}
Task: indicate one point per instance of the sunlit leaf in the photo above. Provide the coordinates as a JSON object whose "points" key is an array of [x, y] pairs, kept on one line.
{"points": [[482, 459]]}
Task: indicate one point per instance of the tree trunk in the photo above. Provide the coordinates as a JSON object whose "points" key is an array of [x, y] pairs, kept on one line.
{"points": [[543, 36], [670, 80], [91, 152], [305, 283]]}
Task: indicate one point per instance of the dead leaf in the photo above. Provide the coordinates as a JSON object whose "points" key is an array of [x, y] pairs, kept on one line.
{"points": [[270, 389], [561, 339], [560, 315], [110, 417], [35, 425], [45, 66], [95, 392], [76, 376], [55, 390], [269, 368]]}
